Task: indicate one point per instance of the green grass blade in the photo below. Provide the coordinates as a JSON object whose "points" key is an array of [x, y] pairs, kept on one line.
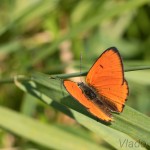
{"points": [[77, 74], [134, 124], [49, 136], [138, 77]]}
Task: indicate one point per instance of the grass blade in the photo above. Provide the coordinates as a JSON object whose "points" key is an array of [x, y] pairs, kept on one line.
{"points": [[133, 124], [40, 133]]}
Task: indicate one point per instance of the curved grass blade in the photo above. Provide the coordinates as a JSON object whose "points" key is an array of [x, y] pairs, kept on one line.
{"points": [[58, 98]]}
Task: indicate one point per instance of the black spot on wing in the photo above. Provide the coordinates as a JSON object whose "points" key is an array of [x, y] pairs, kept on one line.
{"points": [[101, 66]]}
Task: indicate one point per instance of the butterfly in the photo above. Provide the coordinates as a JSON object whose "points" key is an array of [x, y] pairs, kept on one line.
{"points": [[105, 89]]}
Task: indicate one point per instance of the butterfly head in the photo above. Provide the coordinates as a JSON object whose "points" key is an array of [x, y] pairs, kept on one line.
{"points": [[81, 85]]}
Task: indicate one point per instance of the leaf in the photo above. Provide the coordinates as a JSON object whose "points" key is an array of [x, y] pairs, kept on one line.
{"points": [[138, 77], [32, 10], [133, 125], [43, 134]]}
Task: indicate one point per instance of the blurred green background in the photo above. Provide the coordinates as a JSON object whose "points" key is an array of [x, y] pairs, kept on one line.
{"points": [[49, 36]]}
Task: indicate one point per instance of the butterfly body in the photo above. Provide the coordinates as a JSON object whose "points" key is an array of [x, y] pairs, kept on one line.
{"points": [[92, 96], [88, 92], [105, 90]]}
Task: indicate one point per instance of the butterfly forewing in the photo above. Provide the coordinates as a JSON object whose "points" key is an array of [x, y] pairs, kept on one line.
{"points": [[106, 76]]}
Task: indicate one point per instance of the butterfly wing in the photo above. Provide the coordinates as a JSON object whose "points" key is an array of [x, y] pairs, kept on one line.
{"points": [[106, 76], [77, 93]]}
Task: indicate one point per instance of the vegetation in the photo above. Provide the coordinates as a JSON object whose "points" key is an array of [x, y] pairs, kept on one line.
{"points": [[41, 43]]}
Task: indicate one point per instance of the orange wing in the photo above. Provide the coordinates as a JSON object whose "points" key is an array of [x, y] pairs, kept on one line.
{"points": [[106, 76], [76, 92]]}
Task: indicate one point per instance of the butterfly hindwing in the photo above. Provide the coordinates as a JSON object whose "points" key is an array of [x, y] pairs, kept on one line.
{"points": [[77, 93]]}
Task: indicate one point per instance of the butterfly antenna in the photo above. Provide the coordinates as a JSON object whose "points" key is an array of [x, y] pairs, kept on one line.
{"points": [[80, 65]]}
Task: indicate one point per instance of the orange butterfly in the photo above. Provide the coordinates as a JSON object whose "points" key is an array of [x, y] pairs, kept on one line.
{"points": [[105, 90]]}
